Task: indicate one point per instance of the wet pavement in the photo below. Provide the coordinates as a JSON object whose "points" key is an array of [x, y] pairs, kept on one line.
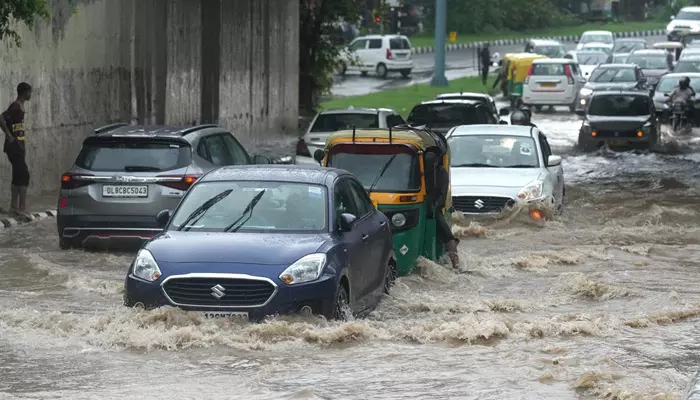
{"points": [[601, 303], [458, 64]]}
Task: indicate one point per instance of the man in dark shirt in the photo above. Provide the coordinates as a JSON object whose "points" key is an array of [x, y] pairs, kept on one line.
{"points": [[485, 57], [12, 125], [444, 232]]}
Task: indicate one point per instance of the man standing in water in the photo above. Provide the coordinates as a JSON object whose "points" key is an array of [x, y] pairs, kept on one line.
{"points": [[12, 124]]}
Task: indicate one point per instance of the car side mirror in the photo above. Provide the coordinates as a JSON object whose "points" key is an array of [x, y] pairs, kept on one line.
{"points": [[258, 159], [503, 112], [673, 17], [162, 218], [346, 221], [502, 122], [665, 94], [553, 161], [318, 156], [580, 113]]}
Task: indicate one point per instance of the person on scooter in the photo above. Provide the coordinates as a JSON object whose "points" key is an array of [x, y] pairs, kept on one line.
{"points": [[683, 93], [521, 117]]}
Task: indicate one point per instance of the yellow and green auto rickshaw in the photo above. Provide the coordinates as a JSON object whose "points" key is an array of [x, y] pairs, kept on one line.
{"points": [[393, 167], [519, 66]]}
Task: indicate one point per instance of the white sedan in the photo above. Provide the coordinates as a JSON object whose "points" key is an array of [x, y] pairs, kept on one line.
{"points": [[604, 37], [495, 167]]}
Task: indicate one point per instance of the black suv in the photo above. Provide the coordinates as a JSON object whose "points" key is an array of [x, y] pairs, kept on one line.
{"points": [[442, 115]]}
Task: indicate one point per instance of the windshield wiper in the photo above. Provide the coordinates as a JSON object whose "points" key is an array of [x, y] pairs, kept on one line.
{"points": [[519, 166], [474, 165], [199, 212], [381, 173], [141, 168], [248, 210]]}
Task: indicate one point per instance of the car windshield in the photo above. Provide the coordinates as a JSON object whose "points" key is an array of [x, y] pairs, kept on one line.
{"points": [[591, 58], [442, 114], [134, 155], [552, 51], [668, 83], [284, 207], [602, 75], [628, 47], [332, 122], [689, 15], [493, 151], [687, 66], [367, 161], [620, 58], [619, 105], [596, 37], [649, 62], [599, 49]]}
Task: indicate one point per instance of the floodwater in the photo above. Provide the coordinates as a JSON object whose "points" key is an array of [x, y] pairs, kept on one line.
{"points": [[600, 303]]}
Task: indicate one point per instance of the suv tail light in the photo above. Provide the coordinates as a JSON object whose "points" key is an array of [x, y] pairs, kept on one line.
{"points": [[179, 182], [70, 180], [389, 56], [529, 73], [569, 75]]}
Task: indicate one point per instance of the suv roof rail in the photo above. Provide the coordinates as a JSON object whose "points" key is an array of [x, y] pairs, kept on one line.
{"points": [[196, 128], [108, 128]]}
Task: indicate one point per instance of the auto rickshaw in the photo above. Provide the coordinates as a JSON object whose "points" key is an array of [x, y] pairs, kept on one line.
{"points": [[518, 68], [393, 168], [672, 48]]}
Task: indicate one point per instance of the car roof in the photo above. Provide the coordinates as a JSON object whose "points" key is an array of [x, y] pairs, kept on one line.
{"points": [[545, 42], [553, 61], [630, 40], [690, 58], [595, 44], [356, 110], [649, 52], [596, 33], [512, 130], [450, 101], [682, 74], [696, 9], [466, 94], [382, 37], [618, 66], [122, 130], [310, 174], [621, 91]]}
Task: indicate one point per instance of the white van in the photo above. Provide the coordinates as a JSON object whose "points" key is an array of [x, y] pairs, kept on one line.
{"points": [[552, 82], [379, 53]]}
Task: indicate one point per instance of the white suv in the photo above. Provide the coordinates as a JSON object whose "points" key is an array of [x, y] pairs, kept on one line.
{"points": [[552, 82], [687, 19], [379, 53]]}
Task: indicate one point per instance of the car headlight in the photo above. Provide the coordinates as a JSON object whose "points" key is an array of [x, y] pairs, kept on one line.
{"points": [[531, 191], [305, 269], [586, 92], [398, 220], [146, 267]]}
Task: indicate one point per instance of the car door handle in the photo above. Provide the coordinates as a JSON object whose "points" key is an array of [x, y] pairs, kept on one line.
{"points": [[364, 238], [382, 224]]}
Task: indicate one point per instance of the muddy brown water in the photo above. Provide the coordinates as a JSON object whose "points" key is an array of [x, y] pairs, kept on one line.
{"points": [[603, 302]]}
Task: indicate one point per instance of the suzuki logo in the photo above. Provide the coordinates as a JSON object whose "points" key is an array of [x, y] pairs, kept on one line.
{"points": [[479, 204], [218, 292]]}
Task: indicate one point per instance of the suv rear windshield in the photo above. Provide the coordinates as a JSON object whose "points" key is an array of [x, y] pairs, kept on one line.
{"points": [[135, 155], [399, 44], [367, 161], [649, 61], [443, 114], [550, 51], [620, 105], [338, 122], [548, 69]]}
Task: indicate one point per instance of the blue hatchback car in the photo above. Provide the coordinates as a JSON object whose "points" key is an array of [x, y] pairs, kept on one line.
{"points": [[251, 241]]}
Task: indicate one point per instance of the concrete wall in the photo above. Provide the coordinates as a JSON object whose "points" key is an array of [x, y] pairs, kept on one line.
{"points": [[233, 62]]}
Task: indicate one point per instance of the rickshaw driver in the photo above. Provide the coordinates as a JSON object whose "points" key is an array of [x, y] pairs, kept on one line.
{"points": [[444, 232]]}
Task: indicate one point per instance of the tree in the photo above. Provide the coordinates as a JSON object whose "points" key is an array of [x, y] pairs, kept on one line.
{"points": [[318, 54], [26, 11]]}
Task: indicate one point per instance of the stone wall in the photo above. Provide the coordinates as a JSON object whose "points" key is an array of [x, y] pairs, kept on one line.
{"points": [[232, 62]]}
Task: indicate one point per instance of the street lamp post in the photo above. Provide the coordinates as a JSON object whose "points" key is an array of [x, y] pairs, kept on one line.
{"points": [[439, 78]]}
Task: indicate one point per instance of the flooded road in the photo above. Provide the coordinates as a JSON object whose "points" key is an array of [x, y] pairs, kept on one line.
{"points": [[602, 303]]}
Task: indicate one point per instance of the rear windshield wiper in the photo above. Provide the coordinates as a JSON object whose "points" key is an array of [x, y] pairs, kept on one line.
{"points": [[141, 168], [474, 165]]}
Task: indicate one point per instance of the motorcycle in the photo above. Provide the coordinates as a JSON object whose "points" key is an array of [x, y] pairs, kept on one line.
{"points": [[679, 116]]}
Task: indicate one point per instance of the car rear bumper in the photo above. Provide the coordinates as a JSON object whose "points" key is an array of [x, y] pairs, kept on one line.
{"points": [[399, 65], [565, 97], [103, 230]]}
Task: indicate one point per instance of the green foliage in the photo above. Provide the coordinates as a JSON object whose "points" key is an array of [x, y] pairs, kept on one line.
{"points": [[26, 11], [318, 56]]}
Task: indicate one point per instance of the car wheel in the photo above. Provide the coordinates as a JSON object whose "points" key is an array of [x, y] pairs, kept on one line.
{"points": [[538, 108], [343, 69], [390, 278], [363, 73], [405, 73], [65, 244], [382, 72], [572, 108], [341, 307], [586, 145]]}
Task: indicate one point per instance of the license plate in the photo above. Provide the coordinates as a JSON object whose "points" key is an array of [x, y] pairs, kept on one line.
{"points": [[548, 84], [125, 191], [618, 143], [232, 316]]}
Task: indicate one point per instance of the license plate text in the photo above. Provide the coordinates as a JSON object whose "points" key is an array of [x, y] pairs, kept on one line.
{"points": [[124, 191]]}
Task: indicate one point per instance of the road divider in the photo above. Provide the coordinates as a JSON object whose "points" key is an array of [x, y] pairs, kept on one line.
{"points": [[7, 222]]}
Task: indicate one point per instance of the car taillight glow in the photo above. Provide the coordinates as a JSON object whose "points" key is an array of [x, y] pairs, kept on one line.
{"points": [[183, 183], [63, 202], [73, 181], [529, 74], [569, 75], [389, 56]]}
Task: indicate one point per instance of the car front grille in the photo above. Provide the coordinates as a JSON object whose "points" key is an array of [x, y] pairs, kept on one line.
{"points": [[481, 204], [203, 291]]}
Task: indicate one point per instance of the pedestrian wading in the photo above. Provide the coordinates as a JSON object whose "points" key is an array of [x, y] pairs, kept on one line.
{"points": [[12, 124]]}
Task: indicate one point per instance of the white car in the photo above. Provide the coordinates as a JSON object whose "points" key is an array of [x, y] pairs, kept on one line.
{"points": [[687, 19], [494, 167], [330, 121], [588, 60], [689, 52], [379, 53], [552, 82], [604, 37]]}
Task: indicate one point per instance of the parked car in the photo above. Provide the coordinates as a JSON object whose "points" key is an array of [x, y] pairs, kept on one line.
{"points": [[495, 167], [379, 53], [605, 37], [482, 97], [328, 121], [623, 47], [549, 48], [611, 76], [247, 242], [441, 115], [667, 83], [690, 64], [588, 60], [552, 82], [619, 118], [124, 174], [687, 19], [654, 63]]}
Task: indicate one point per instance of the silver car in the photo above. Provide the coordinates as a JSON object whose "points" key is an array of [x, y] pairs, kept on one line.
{"points": [[494, 167], [124, 175]]}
